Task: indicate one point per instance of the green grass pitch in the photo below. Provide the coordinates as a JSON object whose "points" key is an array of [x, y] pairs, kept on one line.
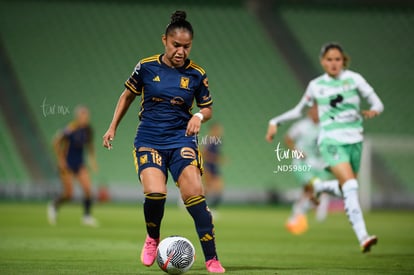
{"points": [[250, 240]]}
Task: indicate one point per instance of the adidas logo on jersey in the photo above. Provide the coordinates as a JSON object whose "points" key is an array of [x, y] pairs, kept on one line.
{"points": [[156, 78]]}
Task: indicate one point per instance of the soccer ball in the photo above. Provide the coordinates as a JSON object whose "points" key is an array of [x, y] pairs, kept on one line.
{"points": [[175, 255]]}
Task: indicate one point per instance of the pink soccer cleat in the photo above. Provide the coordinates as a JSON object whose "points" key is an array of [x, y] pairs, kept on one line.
{"points": [[149, 251], [214, 266]]}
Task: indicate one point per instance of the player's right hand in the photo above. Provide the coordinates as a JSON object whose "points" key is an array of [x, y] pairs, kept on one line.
{"points": [[108, 138], [271, 132]]}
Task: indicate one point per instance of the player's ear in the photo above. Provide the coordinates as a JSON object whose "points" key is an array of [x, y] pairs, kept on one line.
{"points": [[164, 40]]}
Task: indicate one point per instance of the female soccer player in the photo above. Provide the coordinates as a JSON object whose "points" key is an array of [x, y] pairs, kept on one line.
{"points": [[302, 136], [167, 135], [69, 146], [337, 94]]}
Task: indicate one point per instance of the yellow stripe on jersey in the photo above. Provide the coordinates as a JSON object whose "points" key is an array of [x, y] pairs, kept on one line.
{"points": [[131, 88], [142, 104], [196, 67], [151, 59], [205, 103]]}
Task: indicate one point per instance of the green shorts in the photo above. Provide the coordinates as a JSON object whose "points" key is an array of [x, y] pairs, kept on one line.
{"points": [[334, 154]]}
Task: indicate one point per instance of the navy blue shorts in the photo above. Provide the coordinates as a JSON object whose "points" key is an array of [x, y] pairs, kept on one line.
{"points": [[174, 160], [74, 167], [212, 168]]}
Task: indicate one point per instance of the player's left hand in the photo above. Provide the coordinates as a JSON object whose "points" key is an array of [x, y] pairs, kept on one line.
{"points": [[193, 126], [369, 113], [271, 132]]}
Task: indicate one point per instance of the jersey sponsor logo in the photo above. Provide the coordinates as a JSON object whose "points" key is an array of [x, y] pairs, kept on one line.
{"points": [[177, 100], [188, 153], [336, 100], [157, 99], [184, 82], [156, 79]]}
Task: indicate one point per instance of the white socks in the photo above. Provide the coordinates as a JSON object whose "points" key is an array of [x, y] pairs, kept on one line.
{"points": [[352, 208], [322, 209], [301, 207], [329, 186]]}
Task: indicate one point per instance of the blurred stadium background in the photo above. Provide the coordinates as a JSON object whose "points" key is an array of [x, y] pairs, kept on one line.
{"points": [[259, 56]]}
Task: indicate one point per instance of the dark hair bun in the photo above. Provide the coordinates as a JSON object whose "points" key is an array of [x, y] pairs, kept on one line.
{"points": [[178, 16]]}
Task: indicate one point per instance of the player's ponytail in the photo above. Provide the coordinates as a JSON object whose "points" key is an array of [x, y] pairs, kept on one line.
{"points": [[178, 21], [334, 45]]}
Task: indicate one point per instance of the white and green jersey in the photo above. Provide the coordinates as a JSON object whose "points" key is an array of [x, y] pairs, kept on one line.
{"points": [[338, 101]]}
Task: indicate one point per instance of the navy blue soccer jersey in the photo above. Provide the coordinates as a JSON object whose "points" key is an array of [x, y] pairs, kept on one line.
{"points": [[77, 138], [167, 98]]}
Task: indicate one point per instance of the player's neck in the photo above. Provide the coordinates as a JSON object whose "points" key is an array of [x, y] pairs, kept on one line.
{"points": [[168, 63]]}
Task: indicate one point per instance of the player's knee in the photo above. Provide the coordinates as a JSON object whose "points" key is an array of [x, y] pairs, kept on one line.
{"points": [[87, 192], [191, 191]]}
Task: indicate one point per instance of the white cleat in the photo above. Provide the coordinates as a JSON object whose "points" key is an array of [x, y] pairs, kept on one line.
{"points": [[90, 221], [368, 242], [51, 213]]}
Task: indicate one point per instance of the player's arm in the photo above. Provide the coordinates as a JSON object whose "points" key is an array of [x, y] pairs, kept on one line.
{"points": [[290, 142], [377, 107], [194, 125], [125, 100], [295, 133], [292, 114], [204, 102]]}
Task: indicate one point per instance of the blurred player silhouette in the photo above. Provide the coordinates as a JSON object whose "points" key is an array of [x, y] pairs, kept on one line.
{"points": [[212, 156], [70, 145], [303, 136]]}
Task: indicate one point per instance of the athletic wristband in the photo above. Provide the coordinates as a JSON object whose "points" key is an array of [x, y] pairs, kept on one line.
{"points": [[199, 115], [274, 122]]}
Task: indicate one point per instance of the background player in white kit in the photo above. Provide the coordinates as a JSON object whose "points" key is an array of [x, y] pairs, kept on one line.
{"points": [[337, 93], [303, 136]]}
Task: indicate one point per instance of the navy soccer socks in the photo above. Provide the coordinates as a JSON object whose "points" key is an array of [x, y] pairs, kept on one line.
{"points": [[153, 213], [198, 209]]}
